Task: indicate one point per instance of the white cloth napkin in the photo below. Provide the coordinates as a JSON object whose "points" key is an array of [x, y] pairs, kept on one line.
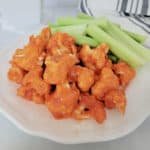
{"points": [[98, 7], [137, 11], [128, 7]]}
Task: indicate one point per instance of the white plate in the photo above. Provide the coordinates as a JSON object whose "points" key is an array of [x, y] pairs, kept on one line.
{"points": [[36, 120]]}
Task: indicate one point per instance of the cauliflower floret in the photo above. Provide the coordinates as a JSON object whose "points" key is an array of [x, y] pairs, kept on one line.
{"points": [[57, 68], [115, 98], [25, 91], [41, 40], [33, 54], [62, 102], [108, 63], [83, 76], [89, 107], [30, 94], [107, 81], [94, 59], [34, 81], [38, 99], [125, 73], [61, 43], [28, 58], [98, 112], [16, 74]]}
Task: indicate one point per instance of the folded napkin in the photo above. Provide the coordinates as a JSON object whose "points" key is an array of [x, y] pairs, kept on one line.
{"points": [[126, 7], [134, 7], [137, 11]]}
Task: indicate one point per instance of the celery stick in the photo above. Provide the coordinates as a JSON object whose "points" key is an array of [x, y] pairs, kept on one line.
{"points": [[84, 16], [53, 25], [75, 21], [72, 21], [73, 29], [126, 39], [137, 37], [116, 47], [117, 25], [85, 19], [82, 39]]}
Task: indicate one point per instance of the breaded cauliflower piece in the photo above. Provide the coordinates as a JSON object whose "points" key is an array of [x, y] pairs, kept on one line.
{"points": [[57, 68], [107, 81], [25, 92], [30, 94], [85, 79], [125, 73], [62, 102], [16, 74], [33, 54], [95, 58], [115, 98], [108, 63], [98, 112], [61, 43], [37, 98], [29, 58], [83, 76], [41, 40], [34, 81], [89, 107]]}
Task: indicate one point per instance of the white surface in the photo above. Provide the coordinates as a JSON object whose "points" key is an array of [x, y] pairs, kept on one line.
{"points": [[20, 14], [52, 9], [103, 7]]}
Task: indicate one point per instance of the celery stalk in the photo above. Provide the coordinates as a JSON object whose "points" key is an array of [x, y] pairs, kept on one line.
{"points": [[72, 29], [126, 39], [75, 21], [82, 39], [137, 37], [84, 16], [102, 21], [119, 49], [51, 25], [72, 21]]}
